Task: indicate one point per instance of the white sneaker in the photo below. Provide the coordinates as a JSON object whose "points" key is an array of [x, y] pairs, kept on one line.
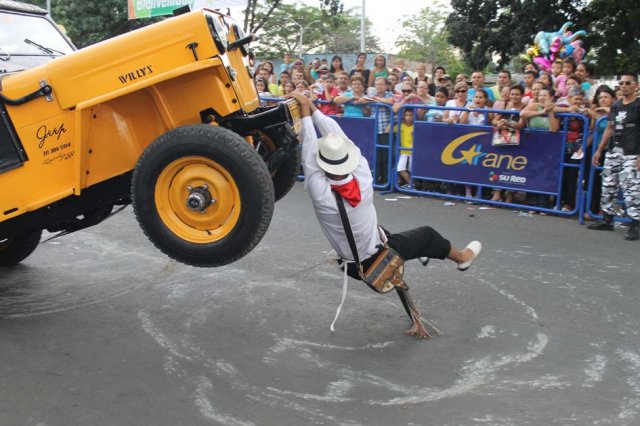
{"points": [[476, 248]]}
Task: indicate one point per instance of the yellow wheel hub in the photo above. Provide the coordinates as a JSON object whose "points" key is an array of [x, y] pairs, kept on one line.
{"points": [[197, 199]]}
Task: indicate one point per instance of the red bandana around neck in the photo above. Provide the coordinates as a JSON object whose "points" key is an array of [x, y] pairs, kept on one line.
{"points": [[350, 191]]}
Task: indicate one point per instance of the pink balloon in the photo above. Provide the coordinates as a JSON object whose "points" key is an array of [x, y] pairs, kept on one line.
{"points": [[555, 45], [543, 63]]}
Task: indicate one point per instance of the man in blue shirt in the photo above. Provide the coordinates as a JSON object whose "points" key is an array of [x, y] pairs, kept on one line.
{"points": [[477, 81]]}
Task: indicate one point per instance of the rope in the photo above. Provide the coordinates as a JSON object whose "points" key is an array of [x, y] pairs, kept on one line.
{"points": [[344, 295]]}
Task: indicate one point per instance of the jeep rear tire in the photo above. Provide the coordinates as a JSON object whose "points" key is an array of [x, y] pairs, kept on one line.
{"points": [[286, 174], [202, 195], [15, 250]]}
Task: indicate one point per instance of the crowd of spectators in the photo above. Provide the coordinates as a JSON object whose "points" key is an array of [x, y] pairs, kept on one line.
{"points": [[534, 102]]}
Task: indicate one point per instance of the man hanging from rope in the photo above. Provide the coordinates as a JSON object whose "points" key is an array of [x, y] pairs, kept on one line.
{"points": [[332, 164]]}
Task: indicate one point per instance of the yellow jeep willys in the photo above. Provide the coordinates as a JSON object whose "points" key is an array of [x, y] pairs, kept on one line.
{"points": [[166, 118]]}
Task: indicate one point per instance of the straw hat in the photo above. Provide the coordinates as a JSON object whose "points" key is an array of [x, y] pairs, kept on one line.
{"points": [[337, 154]]}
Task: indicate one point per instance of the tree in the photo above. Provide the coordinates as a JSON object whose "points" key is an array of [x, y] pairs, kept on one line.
{"points": [[258, 14], [613, 35], [334, 7], [275, 40], [345, 34], [469, 27], [90, 21], [483, 28], [425, 39]]}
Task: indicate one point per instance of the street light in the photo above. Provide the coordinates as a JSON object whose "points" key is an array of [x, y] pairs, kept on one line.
{"points": [[302, 28]]}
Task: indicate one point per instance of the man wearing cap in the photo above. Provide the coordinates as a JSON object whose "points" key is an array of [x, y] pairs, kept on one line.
{"points": [[335, 162]]}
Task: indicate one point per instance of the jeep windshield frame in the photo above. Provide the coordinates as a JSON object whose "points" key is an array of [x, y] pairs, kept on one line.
{"points": [[18, 27]]}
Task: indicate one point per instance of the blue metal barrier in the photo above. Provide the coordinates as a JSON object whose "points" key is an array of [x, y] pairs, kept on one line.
{"points": [[594, 181], [538, 166], [444, 153]]}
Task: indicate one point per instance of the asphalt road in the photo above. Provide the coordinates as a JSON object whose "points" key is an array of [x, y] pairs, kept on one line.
{"points": [[99, 328]]}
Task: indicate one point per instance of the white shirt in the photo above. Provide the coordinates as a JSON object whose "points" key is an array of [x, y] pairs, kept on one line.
{"points": [[363, 217], [453, 113]]}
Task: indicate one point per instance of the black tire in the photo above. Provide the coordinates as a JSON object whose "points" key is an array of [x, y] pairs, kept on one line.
{"points": [[15, 250], [287, 174], [210, 151]]}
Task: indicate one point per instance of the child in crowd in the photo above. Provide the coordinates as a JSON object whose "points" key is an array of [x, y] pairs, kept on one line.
{"points": [[303, 87], [568, 68], [288, 87], [327, 91], [556, 70], [480, 99], [441, 97], [263, 91], [406, 141], [528, 80], [546, 79], [573, 151]]}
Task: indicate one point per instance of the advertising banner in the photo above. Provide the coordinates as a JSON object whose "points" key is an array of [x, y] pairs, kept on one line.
{"points": [[362, 131], [149, 8], [465, 154]]}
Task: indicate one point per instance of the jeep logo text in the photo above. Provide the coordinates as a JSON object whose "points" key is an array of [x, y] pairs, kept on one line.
{"points": [[134, 75]]}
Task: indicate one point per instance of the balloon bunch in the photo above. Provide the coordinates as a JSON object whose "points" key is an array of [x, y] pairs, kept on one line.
{"points": [[551, 46]]}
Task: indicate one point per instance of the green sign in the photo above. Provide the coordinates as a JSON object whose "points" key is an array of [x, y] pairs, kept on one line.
{"points": [[149, 8]]}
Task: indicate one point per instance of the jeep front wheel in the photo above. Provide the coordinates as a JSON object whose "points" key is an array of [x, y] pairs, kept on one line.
{"points": [[202, 195], [16, 249]]}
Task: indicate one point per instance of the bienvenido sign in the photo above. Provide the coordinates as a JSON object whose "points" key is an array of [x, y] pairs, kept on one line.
{"points": [[148, 8]]}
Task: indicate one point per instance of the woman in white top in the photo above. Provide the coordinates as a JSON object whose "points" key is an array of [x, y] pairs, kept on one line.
{"points": [[459, 101]]}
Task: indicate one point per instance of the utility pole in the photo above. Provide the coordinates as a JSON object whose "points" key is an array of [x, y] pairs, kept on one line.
{"points": [[362, 28], [301, 38]]}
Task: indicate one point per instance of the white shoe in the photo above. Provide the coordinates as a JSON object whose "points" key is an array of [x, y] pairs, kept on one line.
{"points": [[476, 248]]}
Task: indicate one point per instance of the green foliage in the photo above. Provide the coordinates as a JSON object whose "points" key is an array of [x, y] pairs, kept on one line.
{"points": [[257, 14], [333, 7], [90, 21], [613, 35], [506, 28], [282, 32], [425, 39], [469, 27]]}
